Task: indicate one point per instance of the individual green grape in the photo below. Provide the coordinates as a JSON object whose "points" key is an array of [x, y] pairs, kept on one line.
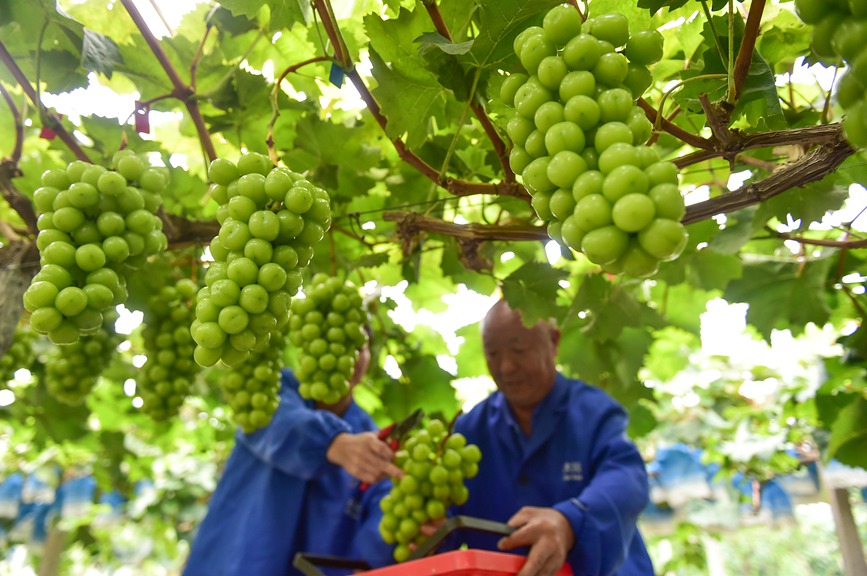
{"points": [[436, 464], [19, 355], [167, 375], [271, 220], [327, 326]]}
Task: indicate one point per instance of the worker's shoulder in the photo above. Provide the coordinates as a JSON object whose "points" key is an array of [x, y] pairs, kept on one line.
{"points": [[583, 394]]}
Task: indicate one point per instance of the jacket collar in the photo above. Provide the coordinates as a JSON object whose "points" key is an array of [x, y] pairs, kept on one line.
{"points": [[546, 416]]}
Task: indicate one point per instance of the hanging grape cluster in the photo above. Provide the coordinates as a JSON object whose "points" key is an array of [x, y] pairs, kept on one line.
{"points": [[435, 465], [270, 219], [839, 33], [167, 376], [328, 326], [73, 369], [252, 389], [578, 141], [93, 224], [18, 356]]}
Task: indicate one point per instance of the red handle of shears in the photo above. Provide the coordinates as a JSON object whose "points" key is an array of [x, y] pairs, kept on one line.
{"points": [[392, 443]]}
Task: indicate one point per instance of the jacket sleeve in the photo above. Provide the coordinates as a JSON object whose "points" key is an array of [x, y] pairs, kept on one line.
{"points": [[603, 516], [297, 438]]}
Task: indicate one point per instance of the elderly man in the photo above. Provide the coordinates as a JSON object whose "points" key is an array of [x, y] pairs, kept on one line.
{"points": [[556, 463]]}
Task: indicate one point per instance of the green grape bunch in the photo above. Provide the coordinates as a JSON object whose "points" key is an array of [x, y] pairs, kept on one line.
{"points": [[18, 356], [252, 389], [270, 220], [73, 369], [436, 464], [328, 326], [840, 27], [167, 377], [94, 223], [578, 141]]}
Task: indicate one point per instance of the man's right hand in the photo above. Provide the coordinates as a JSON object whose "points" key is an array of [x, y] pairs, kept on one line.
{"points": [[364, 456]]}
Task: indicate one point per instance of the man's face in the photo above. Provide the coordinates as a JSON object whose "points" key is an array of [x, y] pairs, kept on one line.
{"points": [[521, 360]]}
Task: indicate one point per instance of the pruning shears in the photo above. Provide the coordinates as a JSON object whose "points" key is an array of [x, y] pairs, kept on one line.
{"points": [[394, 432]]}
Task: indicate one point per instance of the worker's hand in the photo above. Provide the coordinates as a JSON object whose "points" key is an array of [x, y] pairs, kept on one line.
{"points": [[548, 534], [431, 526], [364, 456]]}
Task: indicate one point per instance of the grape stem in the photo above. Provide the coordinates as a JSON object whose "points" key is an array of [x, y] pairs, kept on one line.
{"points": [[51, 119], [455, 186], [275, 95], [688, 138], [748, 45], [499, 146], [181, 91], [659, 116], [448, 433], [19, 126]]}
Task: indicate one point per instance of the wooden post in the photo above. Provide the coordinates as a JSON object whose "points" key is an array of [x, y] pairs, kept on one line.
{"points": [[847, 532], [52, 553]]}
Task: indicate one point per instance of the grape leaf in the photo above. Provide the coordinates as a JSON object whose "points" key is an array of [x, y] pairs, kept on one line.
{"points": [[682, 305], [532, 289], [284, 13], [409, 104], [760, 84], [99, 53], [609, 309], [739, 229], [396, 41], [499, 22], [783, 294], [784, 41], [656, 5], [433, 39], [712, 270], [471, 356], [453, 268], [848, 442], [431, 389], [807, 204]]}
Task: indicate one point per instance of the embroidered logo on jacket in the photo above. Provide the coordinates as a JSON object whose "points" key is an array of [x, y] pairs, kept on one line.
{"points": [[572, 472]]}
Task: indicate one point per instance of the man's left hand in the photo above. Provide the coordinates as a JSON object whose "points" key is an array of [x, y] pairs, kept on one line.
{"points": [[548, 534]]}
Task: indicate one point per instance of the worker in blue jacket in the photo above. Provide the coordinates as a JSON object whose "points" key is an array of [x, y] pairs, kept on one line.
{"points": [[293, 486], [556, 462]]}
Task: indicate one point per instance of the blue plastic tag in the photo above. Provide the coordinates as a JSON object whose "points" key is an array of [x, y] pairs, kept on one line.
{"points": [[336, 75]]}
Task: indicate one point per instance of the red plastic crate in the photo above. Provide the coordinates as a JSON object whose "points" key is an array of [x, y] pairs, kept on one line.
{"points": [[426, 562], [462, 563]]}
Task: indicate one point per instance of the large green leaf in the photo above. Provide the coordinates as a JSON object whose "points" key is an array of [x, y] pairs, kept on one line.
{"points": [[609, 309], [429, 388], [499, 22], [783, 294], [284, 13], [99, 53], [532, 289], [806, 204], [409, 103], [848, 441]]}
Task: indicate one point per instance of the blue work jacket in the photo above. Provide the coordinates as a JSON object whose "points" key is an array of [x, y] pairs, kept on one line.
{"points": [[577, 460], [279, 495]]}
